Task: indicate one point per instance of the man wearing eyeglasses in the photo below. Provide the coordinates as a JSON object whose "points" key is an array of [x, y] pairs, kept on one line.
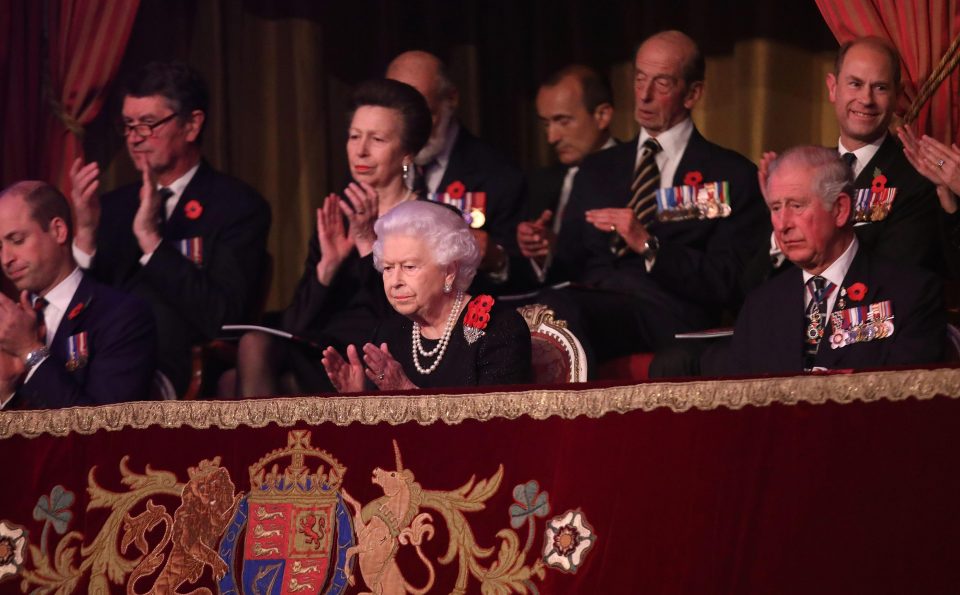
{"points": [[188, 239], [650, 276]]}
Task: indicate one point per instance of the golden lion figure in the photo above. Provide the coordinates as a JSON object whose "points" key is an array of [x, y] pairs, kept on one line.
{"points": [[208, 503]]}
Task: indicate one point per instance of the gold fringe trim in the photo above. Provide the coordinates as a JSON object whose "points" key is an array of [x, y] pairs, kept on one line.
{"points": [[454, 409]]}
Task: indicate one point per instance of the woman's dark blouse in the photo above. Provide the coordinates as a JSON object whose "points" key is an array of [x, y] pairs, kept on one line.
{"points": [[501, 356]]}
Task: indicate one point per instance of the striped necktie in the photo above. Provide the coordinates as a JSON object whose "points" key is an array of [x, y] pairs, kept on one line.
{"points": [[643, 198], [39, 305]]}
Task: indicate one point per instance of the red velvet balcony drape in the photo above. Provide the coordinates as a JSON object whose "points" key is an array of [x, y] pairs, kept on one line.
{"points": [[922, 30]]}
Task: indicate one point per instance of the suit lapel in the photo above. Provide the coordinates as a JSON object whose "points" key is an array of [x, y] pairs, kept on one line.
{"points": [[179, 224], [693, 154], [879, 161], [73, 317]]}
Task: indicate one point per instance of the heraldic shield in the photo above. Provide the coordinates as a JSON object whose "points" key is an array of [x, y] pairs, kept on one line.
{"points": [[292, 529]]}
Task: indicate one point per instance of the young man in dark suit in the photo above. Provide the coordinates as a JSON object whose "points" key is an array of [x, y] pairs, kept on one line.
{"points": [[454, 155], [840, 307], [575, 106], [68, 340], [649, 278], [188, 239]]}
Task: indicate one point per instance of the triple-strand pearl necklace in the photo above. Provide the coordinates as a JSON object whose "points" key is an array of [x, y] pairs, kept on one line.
{"points": [[441, 347]]}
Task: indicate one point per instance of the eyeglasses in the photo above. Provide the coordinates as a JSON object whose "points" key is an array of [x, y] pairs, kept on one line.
{"points": [[143, 130]]}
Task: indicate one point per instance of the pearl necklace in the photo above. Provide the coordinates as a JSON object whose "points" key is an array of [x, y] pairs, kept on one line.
{"points": [[441, 347]]}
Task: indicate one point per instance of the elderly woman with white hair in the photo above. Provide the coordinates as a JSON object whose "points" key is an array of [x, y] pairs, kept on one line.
{"points": [[442, 337]]}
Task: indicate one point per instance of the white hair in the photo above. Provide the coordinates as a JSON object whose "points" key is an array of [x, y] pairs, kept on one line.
{"points": [[440, 227], [829, 175]]}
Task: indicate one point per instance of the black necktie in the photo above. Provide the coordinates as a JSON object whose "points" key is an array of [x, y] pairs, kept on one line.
{"points": [[643, 199], [850, 159], [820, 289], [165, 193]]}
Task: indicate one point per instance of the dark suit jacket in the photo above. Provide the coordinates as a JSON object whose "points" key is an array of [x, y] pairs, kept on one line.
{"points": [[699, 262], [121, 342], [908, 233], [190, 302], [543, 190], [769, 334], [482, 168]]}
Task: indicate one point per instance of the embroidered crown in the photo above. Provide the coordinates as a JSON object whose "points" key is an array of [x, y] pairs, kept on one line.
{"points": [[296, 479]]}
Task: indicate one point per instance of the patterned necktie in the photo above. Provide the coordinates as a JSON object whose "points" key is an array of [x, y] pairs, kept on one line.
{"points": [[643, 199], [820, 289], [39, 305]]}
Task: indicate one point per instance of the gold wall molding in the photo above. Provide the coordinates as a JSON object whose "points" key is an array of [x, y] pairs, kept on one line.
{"points": [[568, 403]]}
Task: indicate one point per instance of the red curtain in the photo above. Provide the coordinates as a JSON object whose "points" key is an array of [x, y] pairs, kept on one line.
{"points": [[21, 36], [922, 30], [87, 39]]}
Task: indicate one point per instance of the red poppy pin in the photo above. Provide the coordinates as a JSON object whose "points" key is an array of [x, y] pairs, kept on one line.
{"points": [[76, 310], [857, 291], [693, 178], [879, 183], [193, 209], [456, 189], [478, 315]]}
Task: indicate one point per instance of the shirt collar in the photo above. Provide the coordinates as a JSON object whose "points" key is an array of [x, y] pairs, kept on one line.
{"points": [[180, 184], [610, 143], [672, 141], [62, 293], [864, 154], [837, 272]]}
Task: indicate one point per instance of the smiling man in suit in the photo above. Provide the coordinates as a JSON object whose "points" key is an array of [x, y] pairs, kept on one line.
{"points": [[840, 307], [188, 239], [67, 340], [864, 89], [648, 277]]}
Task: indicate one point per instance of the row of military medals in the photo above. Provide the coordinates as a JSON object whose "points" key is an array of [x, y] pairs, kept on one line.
{"points": [[857, 325], [852, 325], [860, 324]]}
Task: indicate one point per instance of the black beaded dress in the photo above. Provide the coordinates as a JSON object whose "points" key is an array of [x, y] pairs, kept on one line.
{"points": [[501, 356]]}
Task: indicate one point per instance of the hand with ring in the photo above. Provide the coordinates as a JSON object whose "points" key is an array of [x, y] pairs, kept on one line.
{"points": [[620, 221], [937, 162], [383, 370]]}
